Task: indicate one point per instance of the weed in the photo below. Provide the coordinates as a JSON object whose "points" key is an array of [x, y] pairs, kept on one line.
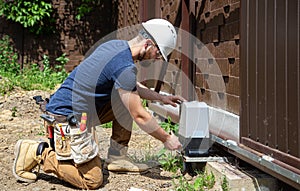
{"points": [[34, 78], [169, 161], [182, 185], [107, 125], [31, 77], [225, 184], [8, 58], [209, 180], [144, 103], [147, 155], [62, 60], [14, 112], [41, 131], [169, 126], [6, 85], [202, 182]]}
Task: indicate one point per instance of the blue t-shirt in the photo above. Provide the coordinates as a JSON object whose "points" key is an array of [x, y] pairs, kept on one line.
{"points": [[91, 84]]}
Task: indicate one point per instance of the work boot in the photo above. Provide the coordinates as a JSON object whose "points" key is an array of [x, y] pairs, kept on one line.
{"points": [[118, 161], [28, 154], [126, 166]]}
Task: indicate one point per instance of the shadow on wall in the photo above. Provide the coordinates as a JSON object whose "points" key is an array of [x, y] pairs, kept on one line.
{"points": [[221, 19], [101, 21]]}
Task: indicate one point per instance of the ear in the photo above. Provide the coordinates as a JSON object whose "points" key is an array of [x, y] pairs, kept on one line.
{"points": [[147, 43]]}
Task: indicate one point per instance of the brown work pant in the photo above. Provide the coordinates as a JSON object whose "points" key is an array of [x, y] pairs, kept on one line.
{"points": [[84, 176], [89, 175]]}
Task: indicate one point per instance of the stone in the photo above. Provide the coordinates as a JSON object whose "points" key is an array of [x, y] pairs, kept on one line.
{"points": [[241, 179]]}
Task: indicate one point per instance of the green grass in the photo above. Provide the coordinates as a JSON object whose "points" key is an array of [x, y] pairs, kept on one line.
{"points": [[31, 77], [107, 125]]}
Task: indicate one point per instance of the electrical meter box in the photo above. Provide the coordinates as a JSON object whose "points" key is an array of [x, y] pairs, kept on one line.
{"points": [[194, 128]]}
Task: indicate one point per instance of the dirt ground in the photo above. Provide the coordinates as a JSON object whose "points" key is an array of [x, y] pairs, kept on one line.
{"points": [[19, 119]]}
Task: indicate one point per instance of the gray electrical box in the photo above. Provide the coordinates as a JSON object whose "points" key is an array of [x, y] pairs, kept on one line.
{"points": [[194, 128]]}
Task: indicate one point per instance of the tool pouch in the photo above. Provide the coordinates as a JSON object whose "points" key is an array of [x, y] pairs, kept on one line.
{"points": [[83, 147], [77, 145], [62, 144]]}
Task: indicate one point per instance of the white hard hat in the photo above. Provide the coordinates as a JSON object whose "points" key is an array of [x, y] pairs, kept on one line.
{"points": [[163, 33]]}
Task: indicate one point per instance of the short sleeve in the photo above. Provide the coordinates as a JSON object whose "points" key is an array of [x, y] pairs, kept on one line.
{"points": [[126, 79]]}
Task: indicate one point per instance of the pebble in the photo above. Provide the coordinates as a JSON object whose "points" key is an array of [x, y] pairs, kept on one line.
{"points": [[36, 189], [4, 148], [2, 126]]}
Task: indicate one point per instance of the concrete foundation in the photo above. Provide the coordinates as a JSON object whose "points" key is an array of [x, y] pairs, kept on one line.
{"points": [[246, 179]]}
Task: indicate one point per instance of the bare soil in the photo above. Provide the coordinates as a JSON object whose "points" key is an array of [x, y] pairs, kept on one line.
{"points": [[19, 119]]}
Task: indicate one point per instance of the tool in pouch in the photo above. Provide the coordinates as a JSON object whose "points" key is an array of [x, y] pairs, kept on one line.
{"points": [[69, 139], [73, 141], [49, 128]]}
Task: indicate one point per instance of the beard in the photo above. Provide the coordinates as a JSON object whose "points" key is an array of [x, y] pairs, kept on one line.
{"points": [[146, 63]]}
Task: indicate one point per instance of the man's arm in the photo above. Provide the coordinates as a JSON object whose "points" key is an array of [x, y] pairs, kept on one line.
{"points": [[146, 122], [147, 94], [151, 95]]}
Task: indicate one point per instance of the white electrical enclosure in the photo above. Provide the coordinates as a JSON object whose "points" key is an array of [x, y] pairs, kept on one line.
{"points": [[194, 120]]}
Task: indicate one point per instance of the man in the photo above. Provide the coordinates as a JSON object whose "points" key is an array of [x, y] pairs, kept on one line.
{"points": [[104, 86]]}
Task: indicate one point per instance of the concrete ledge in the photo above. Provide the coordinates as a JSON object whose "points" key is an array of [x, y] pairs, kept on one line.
{"points": [[240, 180], [165, 111], [224, 124], [221, 123]]}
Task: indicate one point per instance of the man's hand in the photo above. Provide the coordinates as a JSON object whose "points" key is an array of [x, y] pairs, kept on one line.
{"points": [[172, 143], [172, 100], [151, 95]]}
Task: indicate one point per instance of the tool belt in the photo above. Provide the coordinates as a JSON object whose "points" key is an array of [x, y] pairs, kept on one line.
{"points": [[66, 136], [72, 143]]}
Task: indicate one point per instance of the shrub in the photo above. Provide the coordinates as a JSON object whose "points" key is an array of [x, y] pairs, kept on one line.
{"points": [[31, 14]]}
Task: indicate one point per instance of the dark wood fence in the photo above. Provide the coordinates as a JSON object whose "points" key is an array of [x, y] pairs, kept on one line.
{"points": [[270, 79]]}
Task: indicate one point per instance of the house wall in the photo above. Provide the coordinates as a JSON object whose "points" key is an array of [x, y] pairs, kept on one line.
{"points": [[213, 51], [217, 27]]}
